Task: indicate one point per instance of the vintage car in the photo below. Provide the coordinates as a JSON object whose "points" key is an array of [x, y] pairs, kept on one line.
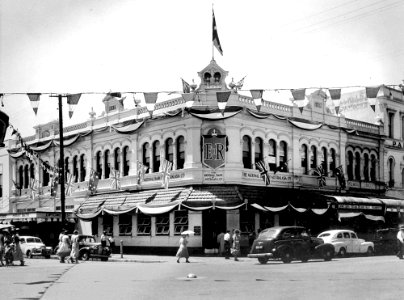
{"points": [[385, 241], [289, 243], [33, 246], [347, 242]]}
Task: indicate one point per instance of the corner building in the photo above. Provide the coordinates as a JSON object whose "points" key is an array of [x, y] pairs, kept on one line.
{"points": [[214, 184]]}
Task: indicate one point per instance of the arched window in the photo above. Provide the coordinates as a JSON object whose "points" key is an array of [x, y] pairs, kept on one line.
{"points": [[180, 152], [357, 166], [126, 161], [402, 178], [107, 164], [258, 150], [217, 77], [206, 77], [45, 176], [313, 157], [98, 164], [373, 161], [146, 155], [349, 166], [21, 177], [169, 153], [246, 152], [67, 170], [283, 157], [117, 159], [366, 167], [332, 161], [324, 161], [303, 158], [82, 168], [390, 167], [26, 177], [75, 169], [156, 156], [272, 155]]}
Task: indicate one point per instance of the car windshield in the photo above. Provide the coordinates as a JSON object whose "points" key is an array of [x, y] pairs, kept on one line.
{"points": [[87, 239], [324, 234], [268, 234], [38, 240]]}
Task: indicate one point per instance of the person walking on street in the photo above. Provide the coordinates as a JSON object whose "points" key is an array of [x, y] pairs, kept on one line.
{"points": [[64, 246], [111, 241], [236, 244], [74, 254], [220, 242], [183, 250], [2, 247], [18, 255], [227, 245], [400, 242]]}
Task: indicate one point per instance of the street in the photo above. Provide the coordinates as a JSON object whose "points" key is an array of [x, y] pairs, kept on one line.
{"points": [[145, 277]]}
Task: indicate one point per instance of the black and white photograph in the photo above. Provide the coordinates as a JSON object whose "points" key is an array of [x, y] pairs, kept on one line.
{"points": [[201, 149]]}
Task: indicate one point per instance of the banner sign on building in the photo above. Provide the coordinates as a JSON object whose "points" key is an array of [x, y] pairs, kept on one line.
{"points": [[214, 149]]}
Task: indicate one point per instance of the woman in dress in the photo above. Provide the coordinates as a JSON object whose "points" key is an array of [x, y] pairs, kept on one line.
{"points": [[64, 246], [18, 255], [236, 244], [74, 254], [183, 250]]}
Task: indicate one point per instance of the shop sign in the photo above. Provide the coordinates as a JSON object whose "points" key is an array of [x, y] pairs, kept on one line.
{"points": [[213, 150], [278, 178], [395, 144], [359, 207], [177, 175], [213, 177]]}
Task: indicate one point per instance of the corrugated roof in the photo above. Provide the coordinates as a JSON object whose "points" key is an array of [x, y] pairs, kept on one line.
{"points": [[221, 195]]}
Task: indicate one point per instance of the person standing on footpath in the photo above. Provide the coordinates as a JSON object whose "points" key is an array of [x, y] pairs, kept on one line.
{"points": [[2, 247], [74, 254], [400, 242], [18, 255], [236, 244], [111, 241], [227, 244], [183, 250], [220, 242]]}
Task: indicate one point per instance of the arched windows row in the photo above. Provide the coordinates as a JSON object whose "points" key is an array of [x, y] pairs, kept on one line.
{"points": [[312, 157], [361, 166], [171, 150], [276, 158], [108, 161], [24, 175]]}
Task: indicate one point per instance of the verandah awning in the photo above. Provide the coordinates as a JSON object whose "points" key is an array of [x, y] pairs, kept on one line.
{"points": [[317, 211]]}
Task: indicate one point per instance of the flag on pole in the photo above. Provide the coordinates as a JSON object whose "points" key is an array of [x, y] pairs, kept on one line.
{"points": [[93, 182], [166, 168], [115, 181], [339, 172], [17, 187], [72, 100], [141, 171], [68, 184], [54, 184], [34, 98], [319, 171], [263, 172], [33, 187], [215, 36], [186, 88]]}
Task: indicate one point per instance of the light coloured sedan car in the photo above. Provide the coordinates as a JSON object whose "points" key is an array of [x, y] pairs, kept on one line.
{"points": [[33, 246], [347, 242]]}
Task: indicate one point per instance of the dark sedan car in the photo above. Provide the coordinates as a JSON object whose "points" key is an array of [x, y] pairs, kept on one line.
{"points": [[385, 241], [289, 243]]}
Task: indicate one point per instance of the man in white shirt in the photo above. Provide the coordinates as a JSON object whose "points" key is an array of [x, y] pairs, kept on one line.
{"points": [[400, 242], [227, 244]]}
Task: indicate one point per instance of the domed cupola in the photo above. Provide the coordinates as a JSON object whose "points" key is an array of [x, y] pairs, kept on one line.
{"points": [[213, 78]]}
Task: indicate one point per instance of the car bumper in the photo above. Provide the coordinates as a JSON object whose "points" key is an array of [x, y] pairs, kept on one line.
{"points": [[260, 255]]}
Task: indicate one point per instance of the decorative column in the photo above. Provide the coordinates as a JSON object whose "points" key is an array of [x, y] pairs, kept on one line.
{"points": [[103, 164], [133, 156]]}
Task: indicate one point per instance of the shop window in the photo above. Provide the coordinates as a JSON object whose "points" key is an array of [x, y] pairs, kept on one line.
{"points": [[107, 164], [272, 155], [143, 224], [332, 162], [180, 221], [156, 156], [125, 225], [169, 152], [283, 157], [180, 152], [75, 169], [247, 152], [303, 157], [357, 166], [372, 168], [82, 168], [247, 221], [146, 155], [107, 224], [99, 164], [163, 224], [324, 162], [349, 166], [313, 157], [258, 150], [117, 159], [366, 167], [126, 161]]}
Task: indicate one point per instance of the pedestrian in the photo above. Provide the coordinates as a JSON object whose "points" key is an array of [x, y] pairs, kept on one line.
{"points": [[220, 242], [104, 239], [111, 241], [64, 246], [227, 244], [2, 247], [251, 238], [18, 255], [236, 244], [183, 250], [74, 254], [400, 242]]}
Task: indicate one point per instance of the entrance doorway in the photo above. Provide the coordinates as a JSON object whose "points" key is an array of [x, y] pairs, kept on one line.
{"points": [[213, 222]]}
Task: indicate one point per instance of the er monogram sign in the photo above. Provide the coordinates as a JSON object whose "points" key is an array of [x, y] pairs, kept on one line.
{"points": [[214, 149]]}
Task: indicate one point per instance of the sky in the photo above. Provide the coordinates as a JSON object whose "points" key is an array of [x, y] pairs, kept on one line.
{"points": [[97, 46]]}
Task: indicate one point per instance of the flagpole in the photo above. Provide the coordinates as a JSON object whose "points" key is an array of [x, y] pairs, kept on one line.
{"points": [[213, 52]]}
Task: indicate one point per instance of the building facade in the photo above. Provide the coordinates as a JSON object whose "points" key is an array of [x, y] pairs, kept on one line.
{"points": [[215, 184]]}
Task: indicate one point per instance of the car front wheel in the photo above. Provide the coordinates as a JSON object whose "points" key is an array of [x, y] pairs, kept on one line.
{"points": [[370, 251], [286, 257], [327, 255], [263, 260], [29, 254], [85, 256], [342, 252]]}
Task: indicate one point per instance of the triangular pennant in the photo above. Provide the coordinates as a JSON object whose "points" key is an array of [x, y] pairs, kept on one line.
{"points": [[186, 88], [371, 92], [337, 110], [151, 99], [298, 94], [34, 98], [335, 94], [222, 98], [72, 100], [301, 109], [257, 97], [373, 107]]}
